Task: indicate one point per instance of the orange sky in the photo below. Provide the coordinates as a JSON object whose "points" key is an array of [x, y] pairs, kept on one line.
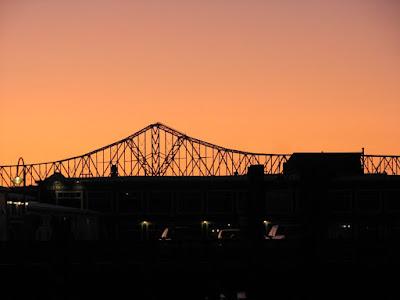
{"points": [[260, 76]]}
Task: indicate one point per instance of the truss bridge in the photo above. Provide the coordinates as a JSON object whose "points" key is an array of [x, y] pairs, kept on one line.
{"points": [[158, 150]]}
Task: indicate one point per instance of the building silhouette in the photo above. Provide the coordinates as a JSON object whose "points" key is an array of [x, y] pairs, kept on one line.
{"points": [[320, 227], [328, 189]]}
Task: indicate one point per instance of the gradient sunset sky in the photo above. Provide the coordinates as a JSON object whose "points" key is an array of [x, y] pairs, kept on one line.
{"points": [[260, 76]]}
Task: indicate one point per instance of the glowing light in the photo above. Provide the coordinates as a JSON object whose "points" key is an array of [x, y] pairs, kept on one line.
{"points": [[144, 222], [18, 180], [17, 203]]}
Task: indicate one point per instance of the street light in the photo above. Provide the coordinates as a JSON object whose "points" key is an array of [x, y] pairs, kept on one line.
{"points": [[16, 209], [18, 179], [145, 230]]}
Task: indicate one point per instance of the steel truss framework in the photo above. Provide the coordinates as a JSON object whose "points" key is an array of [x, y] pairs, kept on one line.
{"points": [[158, 150], [381, 164]]}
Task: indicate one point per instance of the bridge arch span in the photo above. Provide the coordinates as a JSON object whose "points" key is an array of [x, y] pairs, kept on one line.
{"points": [[156, 150]]}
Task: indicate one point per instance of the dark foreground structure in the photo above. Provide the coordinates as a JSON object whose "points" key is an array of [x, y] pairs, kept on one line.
{"points": [[320, 230]]}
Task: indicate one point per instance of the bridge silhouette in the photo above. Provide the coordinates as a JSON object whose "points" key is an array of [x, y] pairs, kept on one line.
{"points": [[159, 150]]}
